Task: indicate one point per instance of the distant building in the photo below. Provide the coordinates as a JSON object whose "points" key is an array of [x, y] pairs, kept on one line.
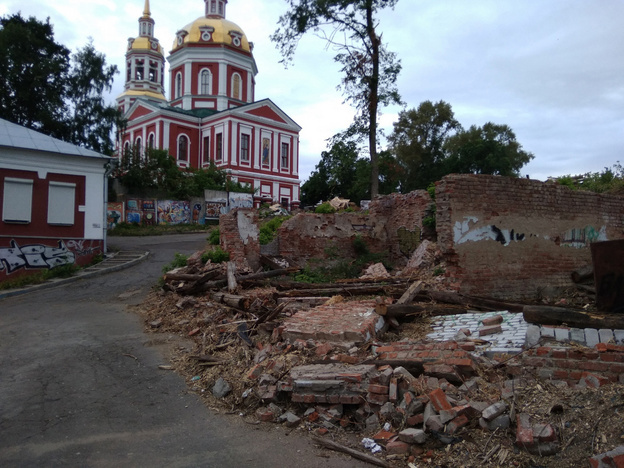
{"points": [[52, 202], [212, 114]]}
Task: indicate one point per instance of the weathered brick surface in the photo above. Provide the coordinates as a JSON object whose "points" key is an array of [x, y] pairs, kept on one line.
{"points": [[398, 218], [321, 236], [508, 237], [239, 235], [573, 364], [353, 321]]}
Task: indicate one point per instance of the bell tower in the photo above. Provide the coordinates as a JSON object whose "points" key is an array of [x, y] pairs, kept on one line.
{"points": [[145, 65]]}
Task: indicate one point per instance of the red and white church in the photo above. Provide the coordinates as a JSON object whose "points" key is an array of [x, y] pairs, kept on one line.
{"points": [[212, 114]]}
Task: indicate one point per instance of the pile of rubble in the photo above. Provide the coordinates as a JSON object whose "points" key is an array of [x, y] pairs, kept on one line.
{"points": [[363, 372]]}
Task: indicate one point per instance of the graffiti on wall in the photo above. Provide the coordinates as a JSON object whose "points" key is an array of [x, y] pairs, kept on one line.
{"points": [[16, 257], [174, 212], [464, 232], [580, 238]]}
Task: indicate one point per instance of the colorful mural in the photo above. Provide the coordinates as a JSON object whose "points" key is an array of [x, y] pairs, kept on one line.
{"points": [[114, 214], [173, 212]]}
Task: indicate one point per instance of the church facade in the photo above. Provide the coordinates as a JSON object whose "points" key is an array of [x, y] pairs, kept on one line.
{"points": [[212, 115]]}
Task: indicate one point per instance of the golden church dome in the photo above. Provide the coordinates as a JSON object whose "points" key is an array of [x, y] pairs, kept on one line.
{"points": [[212, 30], [145, 43]]}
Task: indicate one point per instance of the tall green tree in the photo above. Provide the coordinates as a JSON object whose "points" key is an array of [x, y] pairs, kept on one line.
{"points": [[90, 119], [342, 173], [43, 89], [418, 140], [33, 75], [369, 69], [491, 149]]}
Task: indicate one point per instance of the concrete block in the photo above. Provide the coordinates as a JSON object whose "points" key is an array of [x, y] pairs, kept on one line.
{"points": [[591, 337], [533, 335], [605, 335], [501, 422], [618, 336], [562, 334], [494, 410], [548, 332], [413, 436], [577, 335]]}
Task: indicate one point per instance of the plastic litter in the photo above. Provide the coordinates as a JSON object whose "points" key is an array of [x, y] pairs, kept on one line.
{"points": [[371, 445]]}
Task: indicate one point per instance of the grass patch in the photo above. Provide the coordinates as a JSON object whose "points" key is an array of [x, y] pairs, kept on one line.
{"points": [[61, 271], [133, 229]]}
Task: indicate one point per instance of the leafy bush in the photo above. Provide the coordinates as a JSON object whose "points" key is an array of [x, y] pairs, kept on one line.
{"points": [[215, 236], [269, 228], [429, 221], [610, 180], [216, 255], [325, 208], [178, 261]]}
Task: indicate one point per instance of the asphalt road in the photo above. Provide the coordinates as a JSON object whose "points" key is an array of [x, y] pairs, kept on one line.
{"points": [[80, 384]]}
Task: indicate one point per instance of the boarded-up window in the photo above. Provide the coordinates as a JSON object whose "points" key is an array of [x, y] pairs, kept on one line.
{"points": [[17, 200], [61, 203]]}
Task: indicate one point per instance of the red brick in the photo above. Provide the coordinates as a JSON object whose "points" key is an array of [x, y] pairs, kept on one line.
{"points": [[543, 351], [601, 347], [379, 389], [495, 320], [376, 398], [524, 431], [593, 366], [612, 347], [396, 447], [559, 353], [456, 424], [492, 330], [383, 436], [468, 346], [439, 401], [593, 380], [416, 420], [612, 357], [255, 372]]}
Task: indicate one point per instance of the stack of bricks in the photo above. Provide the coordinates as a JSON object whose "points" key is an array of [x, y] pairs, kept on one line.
{"points": [[605, 362], [346, 323], [444, 360]]}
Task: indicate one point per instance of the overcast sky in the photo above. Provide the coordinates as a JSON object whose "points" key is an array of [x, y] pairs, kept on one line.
{"points": [[551, 70]]}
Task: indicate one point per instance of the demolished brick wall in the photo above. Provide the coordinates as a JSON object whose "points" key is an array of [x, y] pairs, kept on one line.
{"points": [[400, 218], [320, 236], [239, 235], [509, 237]]}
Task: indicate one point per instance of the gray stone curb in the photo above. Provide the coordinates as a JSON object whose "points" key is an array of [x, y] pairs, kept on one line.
{"points": [[89, 272]]}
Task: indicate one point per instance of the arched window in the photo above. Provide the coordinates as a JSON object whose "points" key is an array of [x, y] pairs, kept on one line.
{"points": [[151, 140], [236, 85], [178, 85], [126, 151], [138, 147], [205, 82], [183, 147]]}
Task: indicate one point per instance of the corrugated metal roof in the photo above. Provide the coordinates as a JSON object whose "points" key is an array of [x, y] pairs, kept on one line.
{"points": [[16, 136]]}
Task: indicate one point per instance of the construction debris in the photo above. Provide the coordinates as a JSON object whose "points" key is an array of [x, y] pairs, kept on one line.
{"points": [[332, 359]]}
